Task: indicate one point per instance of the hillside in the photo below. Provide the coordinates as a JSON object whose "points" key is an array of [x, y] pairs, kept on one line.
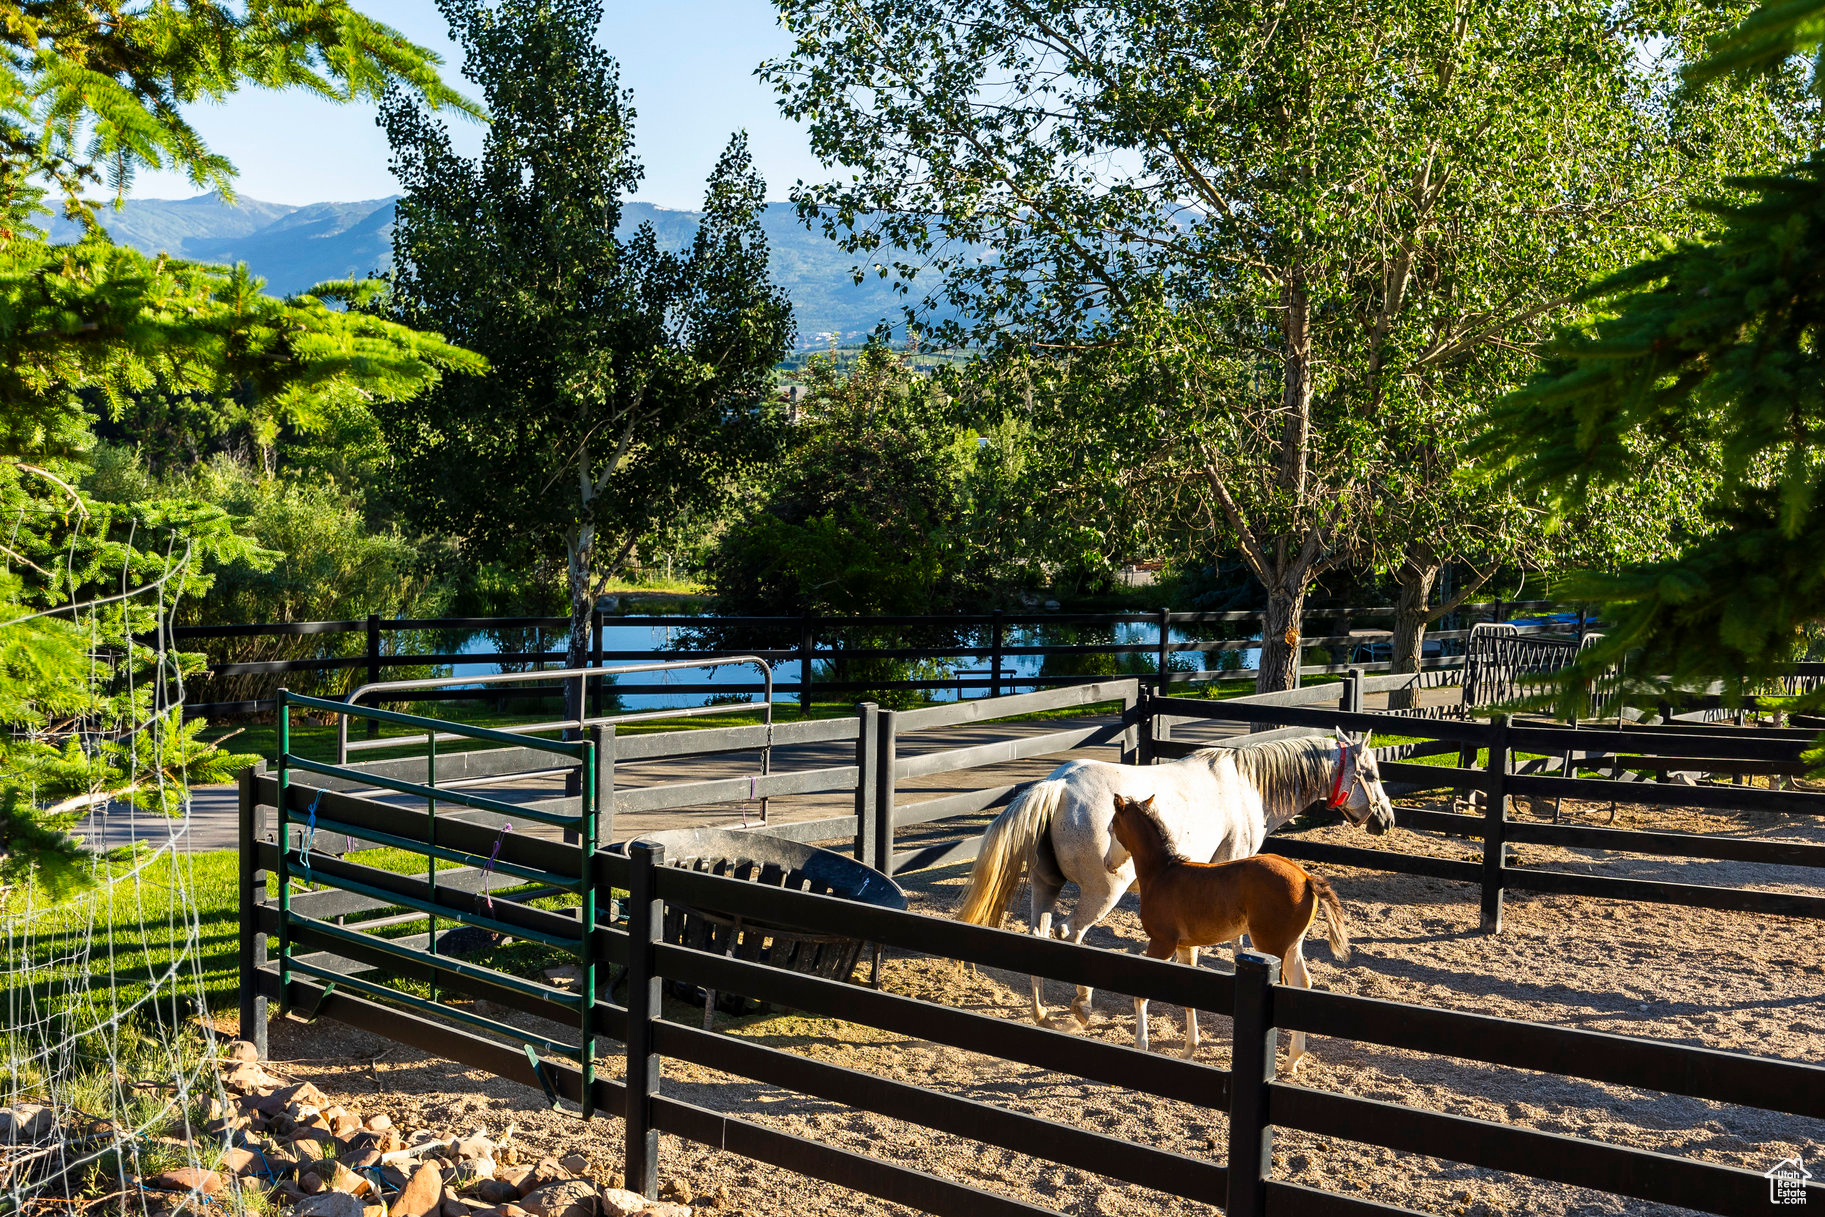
{"points": [[293, 248]]}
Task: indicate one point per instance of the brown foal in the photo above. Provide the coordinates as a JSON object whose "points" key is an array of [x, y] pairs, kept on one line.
{"points": [[1186, 905]]}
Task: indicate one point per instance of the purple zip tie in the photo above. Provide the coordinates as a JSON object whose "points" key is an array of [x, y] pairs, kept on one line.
{"points": [[488, 870]]}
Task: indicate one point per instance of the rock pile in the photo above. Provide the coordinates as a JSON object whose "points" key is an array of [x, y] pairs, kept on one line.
{"points": [[318, 1159]]}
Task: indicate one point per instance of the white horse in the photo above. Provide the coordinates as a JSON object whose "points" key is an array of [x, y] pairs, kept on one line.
{"points": [[1217, 804]]}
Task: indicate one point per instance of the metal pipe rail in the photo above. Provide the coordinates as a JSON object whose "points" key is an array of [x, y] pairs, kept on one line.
{"points": [[580, 675]]}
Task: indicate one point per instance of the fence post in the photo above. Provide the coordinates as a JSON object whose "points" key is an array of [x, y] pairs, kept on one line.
{"points": [[253, 895], [885, 753], [1495, 832], [602, 735], [373, 665], [645, 917], [806, 640], [1143, 742], [1251, 1071], [866, 724], [1165, 654], [1350, 701], [995, 642], [1131, 725], [1736, 779], [595, 661]]}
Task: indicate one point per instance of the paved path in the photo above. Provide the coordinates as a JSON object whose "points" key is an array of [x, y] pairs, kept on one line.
{"points": [[213, 825], [212, 821]]}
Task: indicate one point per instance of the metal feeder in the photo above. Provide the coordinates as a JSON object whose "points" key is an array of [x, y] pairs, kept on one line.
{"points": [[762, 858]]}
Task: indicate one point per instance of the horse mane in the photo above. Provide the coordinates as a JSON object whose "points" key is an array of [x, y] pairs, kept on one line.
{"points": [[1159, 830], [1283, 771]]}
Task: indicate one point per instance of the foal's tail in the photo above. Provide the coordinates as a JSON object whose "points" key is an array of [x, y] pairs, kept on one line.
{"points": [[1333, 916], [1006, 846]]}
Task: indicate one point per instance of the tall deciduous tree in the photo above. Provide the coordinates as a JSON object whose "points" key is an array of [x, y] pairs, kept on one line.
{"points": [[629, 383], [1330, 229]]}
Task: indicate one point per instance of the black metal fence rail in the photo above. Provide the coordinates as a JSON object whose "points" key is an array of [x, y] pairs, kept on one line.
{"points": [[1007, 1039], [1785, 1087], [1256, 1101], [1498, 743], [1250, 1093], [801, 637]]}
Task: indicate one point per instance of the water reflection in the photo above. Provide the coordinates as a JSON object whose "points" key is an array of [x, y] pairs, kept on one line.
{"points": [[1119, 649]]}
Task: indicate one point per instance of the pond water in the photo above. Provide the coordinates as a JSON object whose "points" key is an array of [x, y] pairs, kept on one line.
{"points": [[697, 686]]}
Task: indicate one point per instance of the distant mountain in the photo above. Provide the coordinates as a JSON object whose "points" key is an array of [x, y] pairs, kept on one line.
{"points": [[294, 248]]}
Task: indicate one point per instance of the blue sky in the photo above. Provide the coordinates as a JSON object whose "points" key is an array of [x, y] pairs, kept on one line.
{"points": [[690, 63]]}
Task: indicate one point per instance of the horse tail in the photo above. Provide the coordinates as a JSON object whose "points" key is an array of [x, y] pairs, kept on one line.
{"points": [[1339, 933], [1006, 846]]}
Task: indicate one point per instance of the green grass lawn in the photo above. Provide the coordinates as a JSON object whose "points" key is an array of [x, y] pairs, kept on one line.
{"points": [[128, 932], [133, 929]]}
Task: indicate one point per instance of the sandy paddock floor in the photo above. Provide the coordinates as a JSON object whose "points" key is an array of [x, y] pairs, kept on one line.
{"points": [[1718, 979]]}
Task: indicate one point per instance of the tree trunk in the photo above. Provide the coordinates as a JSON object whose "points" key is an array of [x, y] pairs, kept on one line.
{"points": [[1411, 616], [1287, 579], [1280, 637], [1296, 386], [582, 607]]}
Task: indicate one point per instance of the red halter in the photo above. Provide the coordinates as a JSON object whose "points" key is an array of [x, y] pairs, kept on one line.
{"points": [[1338, 797]]}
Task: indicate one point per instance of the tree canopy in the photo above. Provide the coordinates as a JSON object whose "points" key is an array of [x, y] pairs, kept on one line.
{"points": [[1318, 236], [93, 91], [630, 383]]}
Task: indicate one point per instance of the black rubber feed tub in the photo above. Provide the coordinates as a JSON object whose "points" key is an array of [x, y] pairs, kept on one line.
{"points": [[762, 858]]}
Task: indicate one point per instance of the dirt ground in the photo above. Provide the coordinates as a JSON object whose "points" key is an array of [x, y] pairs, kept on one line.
{"points": [[1724, 980]]}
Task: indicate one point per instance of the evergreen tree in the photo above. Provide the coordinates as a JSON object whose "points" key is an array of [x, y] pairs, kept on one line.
{"points": [[1713, 348], [92, 91], [630, 384]]}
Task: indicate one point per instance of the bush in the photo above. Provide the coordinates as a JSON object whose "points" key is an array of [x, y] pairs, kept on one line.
{"points": [[863, 515], [324, 562]]}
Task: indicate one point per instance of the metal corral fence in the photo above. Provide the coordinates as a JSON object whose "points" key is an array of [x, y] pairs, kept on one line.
{"points": [[611, 905], [388, 645]]}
